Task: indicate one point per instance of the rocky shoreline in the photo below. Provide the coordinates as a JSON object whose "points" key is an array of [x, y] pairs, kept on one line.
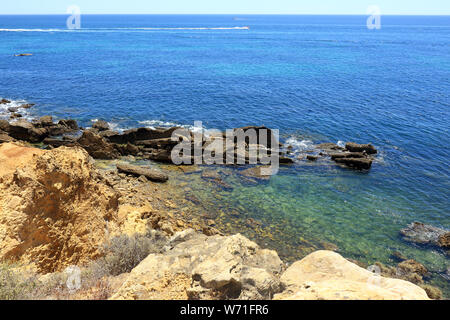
{"points": [[58, 210]]}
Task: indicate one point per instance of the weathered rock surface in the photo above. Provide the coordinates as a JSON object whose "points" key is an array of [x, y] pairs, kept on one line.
{"points": [[151, 174], [54, 209], [327, 275], [200, 267], [355, 147], [24, 130], [97, 146], [356, 163], [101, 125], [421, 233]]}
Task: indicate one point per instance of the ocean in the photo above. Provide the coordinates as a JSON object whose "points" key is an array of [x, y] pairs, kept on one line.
{"points": [[315, 78]]}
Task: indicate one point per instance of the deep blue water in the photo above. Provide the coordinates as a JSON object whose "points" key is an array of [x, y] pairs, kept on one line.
{"points": [[316, 78]]}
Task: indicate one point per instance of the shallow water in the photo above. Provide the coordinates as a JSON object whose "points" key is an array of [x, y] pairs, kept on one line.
{"points": [[316, 78]]}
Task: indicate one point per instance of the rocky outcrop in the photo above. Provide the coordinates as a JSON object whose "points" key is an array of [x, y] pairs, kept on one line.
{"points": [[325, 275], [200, 267], [101, 125], [97, 146], [151, 174], [424, 234], [55, 210], [355, 147]]}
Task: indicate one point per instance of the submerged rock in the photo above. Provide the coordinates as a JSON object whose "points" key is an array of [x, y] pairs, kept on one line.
{"points": [[356, 163], [327, 275], [421, 233], [151, 174]]}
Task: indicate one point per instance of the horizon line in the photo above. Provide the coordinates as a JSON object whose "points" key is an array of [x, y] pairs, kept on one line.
{"points": [[231, 14]]}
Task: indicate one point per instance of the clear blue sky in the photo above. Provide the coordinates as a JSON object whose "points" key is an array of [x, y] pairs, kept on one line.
{"points": [[421, 7]]}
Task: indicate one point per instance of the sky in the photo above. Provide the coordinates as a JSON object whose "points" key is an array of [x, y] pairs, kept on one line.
{"points": [[407, 7]]}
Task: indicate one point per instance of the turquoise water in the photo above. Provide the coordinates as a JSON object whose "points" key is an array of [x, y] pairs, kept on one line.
{"points": [[316, 78]]}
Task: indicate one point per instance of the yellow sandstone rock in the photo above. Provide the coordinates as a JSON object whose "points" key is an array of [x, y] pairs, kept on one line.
{"points": [[55, 210], [325, 275]]}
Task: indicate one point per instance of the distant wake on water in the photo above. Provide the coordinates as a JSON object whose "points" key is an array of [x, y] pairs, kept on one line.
{"points": [[124, 29]]}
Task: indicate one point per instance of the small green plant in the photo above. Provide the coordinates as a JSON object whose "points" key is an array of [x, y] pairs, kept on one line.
{"points": [[14, 285]]}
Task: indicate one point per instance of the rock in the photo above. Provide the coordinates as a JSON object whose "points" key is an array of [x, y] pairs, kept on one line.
{"points": [[432, 292], [312, 158], [328, 146], [421, 233], [13, 109], [163, 143], [57, 142], [258, 131], [24, 130], [161, 156], [230, 267], [5, 138], [23, 55], [347, 155], [151, 174], [326, 275], [411, 266], [69, 123], [285, 160], [398, 256], [134, 135], [4, 125], [97, 146], [255, 172], [54, 209], [26, 105], [356, 163], [15, 116], [101, 125], [45, 121], [444, 240], [354, 147], [5, 101]]}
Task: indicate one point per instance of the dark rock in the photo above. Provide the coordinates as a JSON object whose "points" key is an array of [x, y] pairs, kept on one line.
{"points": [[151, 174], [422, 234], [354, 147], [356, 163], [161, 156], [15, 116], [57, 142], [97, 146], [312, 158], [101, 125], [128, 149], [398, 256], [285, 160], [342, 155], [134, 135], [412, 266], [27, 105], [69, 123], [45, 121], [258, 130], [13, 109], [5, 101], [24, 130], [108, 133], [162, 143]]}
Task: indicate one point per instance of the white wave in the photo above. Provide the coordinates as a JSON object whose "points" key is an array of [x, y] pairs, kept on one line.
{"points": [[5, 113], [299, 145], [122, 29]]}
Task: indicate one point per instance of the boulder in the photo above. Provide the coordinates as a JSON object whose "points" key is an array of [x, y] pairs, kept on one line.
{"points": [[421, 233], [58, 142], [151, 174], [69, 123], [101, 125], [24, 130], [259, 130], [202, 267], [444, 240], [5, 101], [55, 210], [347, 155], [355, 147], [328, 146], [312, 158], [356, 163], [136, 134], [45, 121], [5, 138], [326, 275], [4, 125], [160, 155], [13, 109], [97, 146], [27, 105]]}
